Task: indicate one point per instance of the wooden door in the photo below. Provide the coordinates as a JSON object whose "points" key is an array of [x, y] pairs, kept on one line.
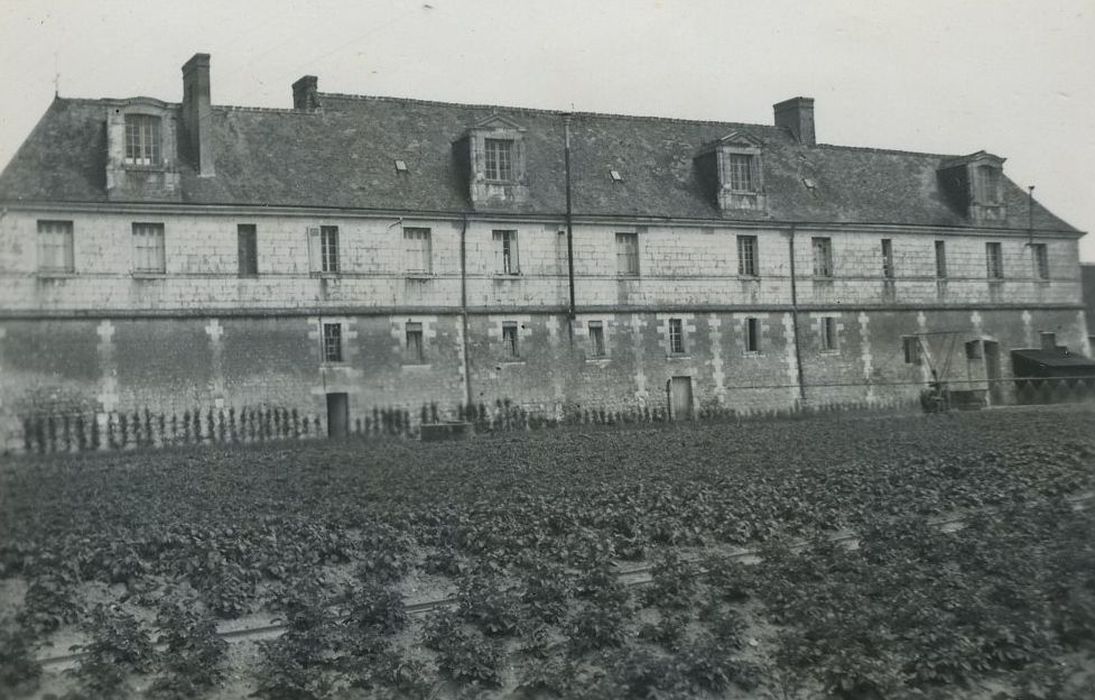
{"points": [[680, 398], [338, 415]]}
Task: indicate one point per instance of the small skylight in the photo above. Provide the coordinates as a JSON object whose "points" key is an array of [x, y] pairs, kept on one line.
{"points": [[400, 166], [615, 175], [809, 182]]}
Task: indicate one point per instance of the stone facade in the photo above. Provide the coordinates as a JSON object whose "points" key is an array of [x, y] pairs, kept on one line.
{"points": [[484, 324]]}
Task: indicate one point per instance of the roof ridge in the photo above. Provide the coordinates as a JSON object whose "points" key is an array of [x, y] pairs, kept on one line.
{"points": [[895, 151], [538, 110]]}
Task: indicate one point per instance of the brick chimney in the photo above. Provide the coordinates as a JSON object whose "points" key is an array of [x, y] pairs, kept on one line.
{"points": [[197, 114], [797, 115], [305, 93]]}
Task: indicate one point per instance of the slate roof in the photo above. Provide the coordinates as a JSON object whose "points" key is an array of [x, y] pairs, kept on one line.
{"points": [[343, 156]]}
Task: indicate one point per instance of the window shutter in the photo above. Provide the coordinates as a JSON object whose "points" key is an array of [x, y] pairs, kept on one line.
{"points": [[315, 250], [515, 257]]}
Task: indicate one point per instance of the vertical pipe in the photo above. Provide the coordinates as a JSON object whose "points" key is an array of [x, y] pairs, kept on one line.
{"points": [[464, 306], [570, 227], [794, 318]]}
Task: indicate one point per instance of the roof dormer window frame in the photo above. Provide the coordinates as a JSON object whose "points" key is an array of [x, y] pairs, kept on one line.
{"points": [[498, 151], [146, 134], [495, 154], [738, 189]]}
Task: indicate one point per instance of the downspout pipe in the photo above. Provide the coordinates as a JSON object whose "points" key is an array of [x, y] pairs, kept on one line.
{"points": [[794, 318], [464, 305], [569, 222]]}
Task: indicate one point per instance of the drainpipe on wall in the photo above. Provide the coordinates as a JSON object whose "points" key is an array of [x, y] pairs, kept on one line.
{"points": [[794, 318], [464, 306], [570, 228]]}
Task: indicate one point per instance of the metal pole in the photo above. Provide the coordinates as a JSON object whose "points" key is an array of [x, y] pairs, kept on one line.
{"points": [[794, 318], [570, 227]]}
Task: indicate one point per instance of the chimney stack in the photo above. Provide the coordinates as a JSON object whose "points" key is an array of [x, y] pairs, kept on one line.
{"points": [[305, 93], [797, 115], [197, 114]]}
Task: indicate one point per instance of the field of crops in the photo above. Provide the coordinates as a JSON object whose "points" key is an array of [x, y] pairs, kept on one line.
{"points": [[791, 559]]}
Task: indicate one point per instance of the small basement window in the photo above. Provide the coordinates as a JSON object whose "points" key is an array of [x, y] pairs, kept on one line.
{"points": [[828, 334], [752, 335], [415, 351], [676, 336]]}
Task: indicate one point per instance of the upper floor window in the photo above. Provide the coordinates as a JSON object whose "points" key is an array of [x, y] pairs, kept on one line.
{"points": [[417, 244], [248, 250], [323, 249], [1041, 260], [747, 256], [741, 172], [142, 139], [887, 258], [940, 259], [499, 159], [505, 253], [994, 261], [988, 184], [55, 246], [627, 254], [676, 336], [823, 257], [148, 248]]}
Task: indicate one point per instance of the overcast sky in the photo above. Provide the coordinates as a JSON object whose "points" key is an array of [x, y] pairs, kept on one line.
{"points": [[1013, 78]]}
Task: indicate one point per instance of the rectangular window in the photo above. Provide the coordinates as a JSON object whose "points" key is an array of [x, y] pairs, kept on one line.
{"points": [[416, 242], [752, 335], [940, 259], [509, 339], [148, 251], [248, 250], [627, 254], [142, 139], [676, 336], [988, 183], [973, 350], [994, 261], [55, 246], [499, 159], [887, 258], [1041, 261], [596, 339], [505, 252], [328, 236], [911, 346], [747, 256], [332, 342], [828, 334], [415, 350], [741, 172], [823, 257]]}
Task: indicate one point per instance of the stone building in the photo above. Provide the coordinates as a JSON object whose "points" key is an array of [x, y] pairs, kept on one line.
{"points": [[358, 253]]}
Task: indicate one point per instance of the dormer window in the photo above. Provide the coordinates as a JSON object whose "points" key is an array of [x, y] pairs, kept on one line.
{"points": [[499, 159], [492, 156], [987, 182], [142, 140], [974, 184], [731, 170]]}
